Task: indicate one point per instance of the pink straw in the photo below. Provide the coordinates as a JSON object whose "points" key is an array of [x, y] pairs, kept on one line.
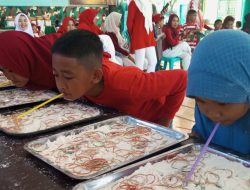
{"points": [[198, 158]]}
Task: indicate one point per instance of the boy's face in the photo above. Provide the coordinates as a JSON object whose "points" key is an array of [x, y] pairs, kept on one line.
{"points": [[71, 26], [224, 113], [217, 25], [72, 78], [192, 18], [229, 25]]}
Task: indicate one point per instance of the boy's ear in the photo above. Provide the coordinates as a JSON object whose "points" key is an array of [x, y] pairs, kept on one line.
{"points": [[97, 75]]}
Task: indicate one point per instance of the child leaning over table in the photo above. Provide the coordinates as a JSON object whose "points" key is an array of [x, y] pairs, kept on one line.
{"points": [[219, 80], [81, 71]]}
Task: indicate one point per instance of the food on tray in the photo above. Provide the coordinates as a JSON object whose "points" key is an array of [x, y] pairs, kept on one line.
{"points": [[96, 150], [19, 96], [213, 173], [47, 117]]}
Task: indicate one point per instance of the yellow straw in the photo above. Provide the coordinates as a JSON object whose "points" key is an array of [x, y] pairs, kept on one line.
{"points": [[4, 84], [38, 106]]}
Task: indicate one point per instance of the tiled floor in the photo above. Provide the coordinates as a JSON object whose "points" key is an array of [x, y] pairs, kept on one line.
{"points": [[184, 119]]}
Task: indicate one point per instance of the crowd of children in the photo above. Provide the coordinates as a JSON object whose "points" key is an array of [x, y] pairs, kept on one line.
{"points": [[85, 61]]}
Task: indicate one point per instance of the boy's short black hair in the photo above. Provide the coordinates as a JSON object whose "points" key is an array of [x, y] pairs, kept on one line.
{"points": [[191, 12], [82, 45], [228, 19], [218, 20], [238, 24]]}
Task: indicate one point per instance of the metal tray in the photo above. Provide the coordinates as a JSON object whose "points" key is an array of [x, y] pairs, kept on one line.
{"points": [[176, 136], [106, 179], [55, 127], [4, 93]]}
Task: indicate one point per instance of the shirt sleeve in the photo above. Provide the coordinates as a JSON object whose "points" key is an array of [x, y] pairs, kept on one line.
{"points": [[131, 16], [170, 85]]}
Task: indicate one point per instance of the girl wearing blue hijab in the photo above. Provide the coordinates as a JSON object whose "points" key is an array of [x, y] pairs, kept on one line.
{"points": [[219, 80]]}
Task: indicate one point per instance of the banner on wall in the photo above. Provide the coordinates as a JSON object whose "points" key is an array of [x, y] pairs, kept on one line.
{"points": [[92, 2]]}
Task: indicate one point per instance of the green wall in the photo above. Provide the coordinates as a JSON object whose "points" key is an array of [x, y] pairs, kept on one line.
{"points": [[246, 8], [34, 2]]}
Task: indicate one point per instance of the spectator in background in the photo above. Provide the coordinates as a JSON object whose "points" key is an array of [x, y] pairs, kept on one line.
{"points": [[23, 24], [87, 21], [67, 25], [217, 24], [246, 25], [112, 28], [228, 23], [140, 29], [158, 19], [190, 29], [238, 25], [172, 47], [37, 30]]}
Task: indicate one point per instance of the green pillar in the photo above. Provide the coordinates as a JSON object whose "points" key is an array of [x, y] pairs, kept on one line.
{"points": [[245, 8]]}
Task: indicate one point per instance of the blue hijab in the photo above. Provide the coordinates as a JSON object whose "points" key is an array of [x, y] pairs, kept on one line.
{"points": [[220, 71]]}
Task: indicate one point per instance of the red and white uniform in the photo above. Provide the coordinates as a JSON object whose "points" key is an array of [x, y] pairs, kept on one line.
{"points": [[140, 29], [188, 34]]}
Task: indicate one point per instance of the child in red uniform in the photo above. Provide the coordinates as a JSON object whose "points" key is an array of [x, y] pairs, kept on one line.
{"points": [[87, 21], [189, 29], [68, 24], [81, 71], [27, 61], [140, 29]]}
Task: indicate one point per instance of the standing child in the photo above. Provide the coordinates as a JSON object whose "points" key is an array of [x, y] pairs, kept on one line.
{"points": [[219, 80], [23, 24], [81, 71], [140, 29], [190, 29]]}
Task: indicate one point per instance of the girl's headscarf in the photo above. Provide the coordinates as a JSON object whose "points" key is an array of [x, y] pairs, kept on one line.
{"points": [[220, 68], [146, 8], [28, 29], [112, 24], [64, 27], [175, 31], [29, 57], [86, 21]]}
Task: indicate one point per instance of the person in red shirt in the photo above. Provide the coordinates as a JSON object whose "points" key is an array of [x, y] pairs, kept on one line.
{"points": [[112, 28], [87, 21], [189, 31], [68, 24], [172, 46], [140, 29], [26, 60], [81, 71]]}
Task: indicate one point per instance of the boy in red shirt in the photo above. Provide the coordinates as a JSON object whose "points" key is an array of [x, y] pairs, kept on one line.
{"points": [[190, 29], [81, 71]]}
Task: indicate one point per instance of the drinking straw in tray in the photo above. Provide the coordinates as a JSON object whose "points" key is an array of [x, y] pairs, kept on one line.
{"points": [[198, 158], [38, 106]]}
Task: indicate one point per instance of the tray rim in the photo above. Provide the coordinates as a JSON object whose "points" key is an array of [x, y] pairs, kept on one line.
{"points": [[212, 149], [83, 128], [101, 113], [27, 103]]}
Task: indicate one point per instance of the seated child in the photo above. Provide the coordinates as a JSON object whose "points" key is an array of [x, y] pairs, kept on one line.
{"points": [[190, 29], [219, 80], [81, 71]]}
